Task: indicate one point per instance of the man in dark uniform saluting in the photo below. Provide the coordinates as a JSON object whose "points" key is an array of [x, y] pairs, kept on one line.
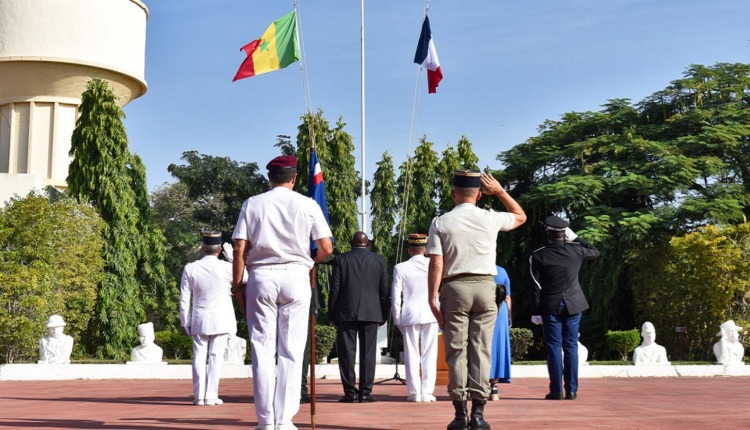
{"points": [[560, 301]]}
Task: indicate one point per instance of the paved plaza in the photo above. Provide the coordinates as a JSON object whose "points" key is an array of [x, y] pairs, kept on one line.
{"points": [[612, 403]]}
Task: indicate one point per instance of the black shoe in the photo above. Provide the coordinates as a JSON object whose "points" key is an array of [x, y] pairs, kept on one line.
{"points": [[552, 396], [477, 415], [305, 398], [461, 421], [570, 396], [348, 398], [367, 398]]}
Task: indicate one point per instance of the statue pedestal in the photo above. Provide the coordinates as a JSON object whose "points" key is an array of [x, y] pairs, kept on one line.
{"points": [[442, 366]]}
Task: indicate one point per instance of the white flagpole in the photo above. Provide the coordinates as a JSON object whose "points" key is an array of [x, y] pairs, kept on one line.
{"points": [[362, 55]]}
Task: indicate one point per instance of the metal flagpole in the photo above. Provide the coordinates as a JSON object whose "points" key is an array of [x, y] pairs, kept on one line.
{"points": [[312, 351], [362, 56], [310, 116]]}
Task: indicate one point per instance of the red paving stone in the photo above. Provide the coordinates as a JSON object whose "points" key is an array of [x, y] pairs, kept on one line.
{"points": [[617, 403]]}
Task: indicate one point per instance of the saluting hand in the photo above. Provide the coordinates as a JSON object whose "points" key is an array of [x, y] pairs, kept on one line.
{"points": [[490, 184]]}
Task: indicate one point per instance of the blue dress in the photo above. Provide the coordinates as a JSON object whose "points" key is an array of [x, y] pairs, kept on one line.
{"points": [[500, 368]]}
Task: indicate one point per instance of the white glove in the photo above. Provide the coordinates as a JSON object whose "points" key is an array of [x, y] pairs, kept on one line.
{"points": [[228, 251], [536, 319], [570, 235]]}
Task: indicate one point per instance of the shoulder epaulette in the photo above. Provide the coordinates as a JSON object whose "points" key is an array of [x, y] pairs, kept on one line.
{"points": [[538, 249]]}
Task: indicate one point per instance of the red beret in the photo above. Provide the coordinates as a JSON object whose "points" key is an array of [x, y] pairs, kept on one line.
{"points": [[282, 161]]}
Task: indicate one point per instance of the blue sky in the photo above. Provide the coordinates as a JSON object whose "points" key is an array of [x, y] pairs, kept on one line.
{"points": [[508, 66]]}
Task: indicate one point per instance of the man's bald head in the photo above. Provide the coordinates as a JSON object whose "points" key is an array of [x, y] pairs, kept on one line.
{"points": [[360, 240]]}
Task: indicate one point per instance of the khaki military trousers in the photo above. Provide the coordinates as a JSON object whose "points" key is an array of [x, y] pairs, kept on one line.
{"points": [[469, 311]]}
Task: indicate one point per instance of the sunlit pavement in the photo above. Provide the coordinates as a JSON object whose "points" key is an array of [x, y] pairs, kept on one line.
{"points": [[618, 403]]}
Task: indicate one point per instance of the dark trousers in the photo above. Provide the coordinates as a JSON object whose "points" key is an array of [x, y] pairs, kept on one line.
{"points": [[561, 334], [347, 333]]}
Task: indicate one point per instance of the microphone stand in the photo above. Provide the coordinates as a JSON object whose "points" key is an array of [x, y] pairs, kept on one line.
{"points": [[396, 376]]}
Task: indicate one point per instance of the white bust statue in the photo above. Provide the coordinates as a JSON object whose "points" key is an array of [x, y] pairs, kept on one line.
{"points": [[147, 351], [56, 346], [729, 350], [583, 352], [649, 353], [236, 350]]}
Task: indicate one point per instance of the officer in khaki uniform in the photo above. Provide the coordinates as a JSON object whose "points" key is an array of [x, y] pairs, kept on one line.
{"points": [[462, 249]]}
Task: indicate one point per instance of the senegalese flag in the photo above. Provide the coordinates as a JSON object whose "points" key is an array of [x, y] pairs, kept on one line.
{"points": [[276, 49]]}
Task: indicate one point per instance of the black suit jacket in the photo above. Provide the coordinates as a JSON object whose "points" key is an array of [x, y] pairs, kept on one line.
{"points": [[359, 287], [554, 269]]}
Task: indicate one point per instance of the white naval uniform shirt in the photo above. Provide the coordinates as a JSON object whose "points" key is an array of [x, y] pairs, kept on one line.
{"points": [[278, 226], [207, 284], [410, 279]]}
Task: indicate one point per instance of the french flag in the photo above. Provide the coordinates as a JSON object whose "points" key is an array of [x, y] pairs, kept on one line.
{"points": [[427, 57], [316, 189]]}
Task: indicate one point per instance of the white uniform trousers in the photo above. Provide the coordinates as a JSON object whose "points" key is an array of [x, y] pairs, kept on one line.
{"points": [[278, 309], [413, 335], [206, 378]]}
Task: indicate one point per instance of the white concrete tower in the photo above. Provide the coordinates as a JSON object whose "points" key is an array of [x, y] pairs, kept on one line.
{"points": [[48, 52]]}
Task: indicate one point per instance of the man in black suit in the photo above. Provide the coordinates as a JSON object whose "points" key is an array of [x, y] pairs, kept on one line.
{"points": [[560, 301], [358, 303]]}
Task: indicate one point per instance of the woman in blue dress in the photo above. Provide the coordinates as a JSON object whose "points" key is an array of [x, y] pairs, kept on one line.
{"points": [[500, 370]]}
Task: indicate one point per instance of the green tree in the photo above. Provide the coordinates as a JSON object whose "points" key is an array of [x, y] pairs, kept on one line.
{"points": [[697, 281], [218, 185], [383, 210], [163, 294], [630, 177], [335, 152], [50, 263], [466, 154], [176, 215], [449, 163], [460, 157], [417, 189], [104, 173]]}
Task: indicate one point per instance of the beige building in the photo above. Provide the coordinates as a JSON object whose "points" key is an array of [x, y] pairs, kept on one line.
{"points": [[49, 49]]}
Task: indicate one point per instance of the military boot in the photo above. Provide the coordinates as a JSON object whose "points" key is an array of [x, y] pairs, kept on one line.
{"points": [[461, 422], [477, 415]]}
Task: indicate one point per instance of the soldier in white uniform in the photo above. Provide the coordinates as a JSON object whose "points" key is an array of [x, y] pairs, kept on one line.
{"points": [[411, 313], [272, 238], [206, 285]]}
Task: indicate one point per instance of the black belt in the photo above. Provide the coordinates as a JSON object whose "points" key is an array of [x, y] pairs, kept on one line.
{"points": [[468, 277]]}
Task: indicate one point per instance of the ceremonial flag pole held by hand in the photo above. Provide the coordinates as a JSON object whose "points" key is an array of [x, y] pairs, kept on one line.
{"points": [[317, 191], [427, 57], [277, 48]]}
